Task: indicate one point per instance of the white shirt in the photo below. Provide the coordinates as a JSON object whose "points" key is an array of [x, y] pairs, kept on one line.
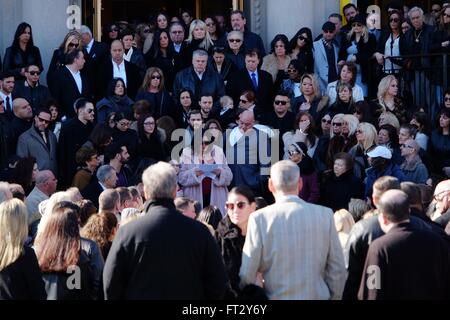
{"points": [[77, 77], [391, 48], [357, 93], [89, 46], [103, 186], [119, 71], [4, 100], [297, 92], [177, 47], [200, 75]]}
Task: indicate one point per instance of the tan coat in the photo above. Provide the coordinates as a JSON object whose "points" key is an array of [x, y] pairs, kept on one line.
{"points": [[270, 64]]}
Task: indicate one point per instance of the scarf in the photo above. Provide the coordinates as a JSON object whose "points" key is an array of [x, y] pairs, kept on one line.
{"points": [[127, 56]]}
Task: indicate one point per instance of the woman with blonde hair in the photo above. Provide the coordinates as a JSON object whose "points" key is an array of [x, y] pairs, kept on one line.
{"points": [[344, 222], [358, 47], [345, 140], [198, 38], [20, 276], [366, 136], [388, 100], [310, 100], [388, 117]]}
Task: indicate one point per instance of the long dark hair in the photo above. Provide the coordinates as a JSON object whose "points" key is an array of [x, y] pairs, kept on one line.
{"points": [[245, 192], [19, 31], [309, 41], [141, 132], [155, 49], [101, 135], [112, 87], [23, 172], [282, 38], [392, 133]]}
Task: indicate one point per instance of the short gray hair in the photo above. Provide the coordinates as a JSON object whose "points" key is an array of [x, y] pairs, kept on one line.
{"points": [[285, 175], [105, 172], [199, 53], [160, 181], [413, 9], [43, 176], [237, 33], [108, 200], [5, 193], [85, 29]]}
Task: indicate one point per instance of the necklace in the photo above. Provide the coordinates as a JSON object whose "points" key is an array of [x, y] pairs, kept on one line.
{"points": [[417, 36]]}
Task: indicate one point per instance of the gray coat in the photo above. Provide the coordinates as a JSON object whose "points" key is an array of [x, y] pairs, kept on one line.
{"points": [[31, 144], [321, 63]]}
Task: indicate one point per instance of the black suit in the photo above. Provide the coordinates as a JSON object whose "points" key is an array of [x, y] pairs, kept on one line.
{"points": [[92, 192], [105, 74], [64, 89], [164, 256], [240, 81], [98, 53]]}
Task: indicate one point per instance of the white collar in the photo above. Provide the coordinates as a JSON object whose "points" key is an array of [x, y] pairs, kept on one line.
{"points": [[89, 46], [103, 186], [118, 65], [128, 55], [73, 73]]}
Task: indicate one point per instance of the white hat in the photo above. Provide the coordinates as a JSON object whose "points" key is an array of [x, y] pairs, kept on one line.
{"points": [[380, 151]]}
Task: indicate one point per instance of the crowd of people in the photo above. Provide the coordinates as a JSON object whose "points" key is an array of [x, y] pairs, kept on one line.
{"points": [[175, 159]]}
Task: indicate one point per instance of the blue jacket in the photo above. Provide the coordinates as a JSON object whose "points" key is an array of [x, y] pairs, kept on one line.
{"points": [[392, 170]]}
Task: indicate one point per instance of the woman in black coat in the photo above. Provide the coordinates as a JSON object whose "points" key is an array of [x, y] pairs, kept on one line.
{"points": [[231, 234], [22, 52], [151, 145], [302, 48], [340, 184]]}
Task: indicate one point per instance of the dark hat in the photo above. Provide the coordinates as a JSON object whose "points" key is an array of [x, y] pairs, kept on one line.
{"points": [[328, 26], [359, 19]]}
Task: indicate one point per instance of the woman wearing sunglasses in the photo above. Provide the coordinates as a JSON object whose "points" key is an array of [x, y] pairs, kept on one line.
{"points": [[231, 233], [235, 50], [302, 48], [358, 47], [204, 173]]}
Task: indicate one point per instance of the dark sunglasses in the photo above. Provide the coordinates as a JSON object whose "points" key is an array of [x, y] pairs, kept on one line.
{"points": [[243, 101], [405, 146], [326, 121], [34, 73], [396, 20], [234, 40], [328, 31], [156, 77], [445, 15], [337, 124], [114, 30], [90, 110], [435, 10], [147, 31], [207, 143], [2, 102], [302, 38], [44, 120], [356, 24], [278, 102], [72, 45], [447, 99], [239, 205]]}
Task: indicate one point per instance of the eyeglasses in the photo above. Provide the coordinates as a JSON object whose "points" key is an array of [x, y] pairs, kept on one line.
{"points": [[326, 121], [239, 205], [302, 38], [44, 120], [278, 102], [234, 40], [356, 24], [436, 196], [156, 77], [34, 73], [124, 124], [435, 10], [243, 101], [293, 152], [292, 70], [337, 124], [396, 20]]}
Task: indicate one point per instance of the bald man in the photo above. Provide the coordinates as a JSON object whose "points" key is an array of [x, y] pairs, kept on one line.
{"points": [[118, 67], [44, 188], [21, 122], [441, 199], [408, 262]]}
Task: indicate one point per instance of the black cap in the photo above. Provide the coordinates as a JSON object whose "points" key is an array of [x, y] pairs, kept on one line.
{"points": [[359, 19], [328, 26]]}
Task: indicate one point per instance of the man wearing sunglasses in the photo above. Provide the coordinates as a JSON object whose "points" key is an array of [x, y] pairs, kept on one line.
{"points": [[39, 142], [30, 89]]}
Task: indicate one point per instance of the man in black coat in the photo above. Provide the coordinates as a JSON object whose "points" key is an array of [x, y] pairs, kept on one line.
{"points": [[21, 122], [408, 262], [70, 83], [251, 39], [254, 79], [30, 89], [164, 255], [117, 67], [69, 143], [106, 179]]}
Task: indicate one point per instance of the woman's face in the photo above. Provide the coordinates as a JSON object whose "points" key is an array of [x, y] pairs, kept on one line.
{"points": [[345, 128], [163, 40], [360, 136], [149, 125], [345, 94], [307, 87], [393, 88], [301, 40], [337, 126], [210, 25], [447, 101], [304, 123], [339, 167], [417, 124], [403, 135], [383, 137], [326, 123], [54, 113], [244, 102], [119, 89], [218, 58], [394, 21], [357, 27], [113, 32], [444, 121], [25, 36], [199, 33], [239, 209], [123, 125], [155, 80], [112, 122], [294, 155], [185, 99], [280, 49], [293, 73], [34, 173], [346, 75], [161, 21], [93, 162]]}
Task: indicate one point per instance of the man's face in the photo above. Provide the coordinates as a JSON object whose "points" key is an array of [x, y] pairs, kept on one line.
{"points": [[79, 61], [127, 41], [336, 22], [281, 104], [350, 13], [441, 198], [41, 121], [221, 21], [177, 34], [206, 104], [112, 180], [237, 23], [117, 51], [218, 58], [8, 85], [24, 110], [251, 63], [52, 182], [199, 63], [435, 9], [124, 155], [196, 121], [85, 39], [2, 106], [416, 19], [87, 113], [328, 35], [32, 74], [245, 123]]}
